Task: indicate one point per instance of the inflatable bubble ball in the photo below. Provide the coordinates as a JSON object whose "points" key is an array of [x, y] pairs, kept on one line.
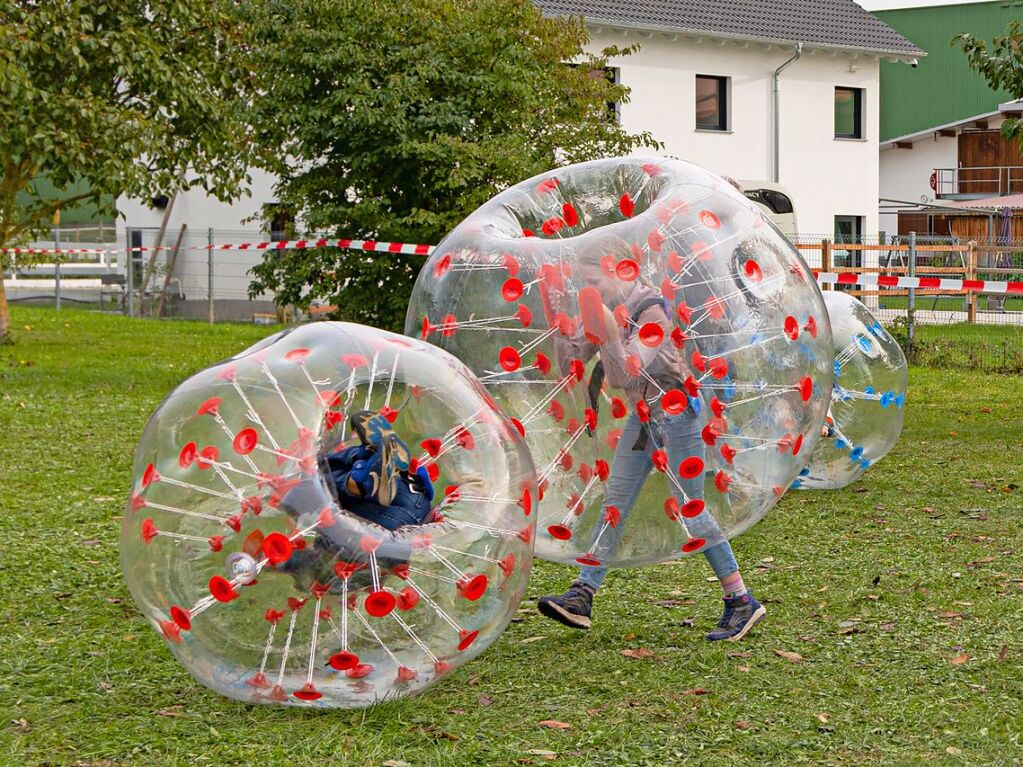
{"points": [[336, 516], [867, 398], [662, 348]]}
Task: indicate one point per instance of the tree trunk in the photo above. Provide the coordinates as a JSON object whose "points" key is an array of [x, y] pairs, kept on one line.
{"points": [[5, 317]]}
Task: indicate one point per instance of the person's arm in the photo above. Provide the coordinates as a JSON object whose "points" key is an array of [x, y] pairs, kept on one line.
{"points": [[621, 360]]}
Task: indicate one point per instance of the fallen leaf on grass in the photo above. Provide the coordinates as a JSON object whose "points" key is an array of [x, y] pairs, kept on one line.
{"points": [[629, 637], [960, 659], [530, 640], [173, 711], [849, 630], [91, 542], [485, 700], [743, 669], [953, 751], [22, 725], [673, 602], [981, 561], [741, 725], [1003, 652], [793, 657], [543, 753], [697, 691], [985, 409], [640, 653], [887, 627], [434, 733], [739, 654], [554, 724]]}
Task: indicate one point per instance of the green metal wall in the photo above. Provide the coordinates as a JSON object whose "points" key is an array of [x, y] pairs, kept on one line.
{"points": [[77, 214], [942, 89]]}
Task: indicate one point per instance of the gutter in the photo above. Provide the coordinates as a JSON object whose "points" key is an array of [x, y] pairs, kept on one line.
{"points": [[777, 109]]}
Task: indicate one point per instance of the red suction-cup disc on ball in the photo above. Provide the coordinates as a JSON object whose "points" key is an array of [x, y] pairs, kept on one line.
{"points": [[691, 467], [559, 532], [344, 660], [473, 588], [627, 270], [509, 359], [512, 289], [380, 603]]}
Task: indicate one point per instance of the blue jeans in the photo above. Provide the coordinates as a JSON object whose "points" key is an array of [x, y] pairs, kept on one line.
{"points": [[679, 435]]}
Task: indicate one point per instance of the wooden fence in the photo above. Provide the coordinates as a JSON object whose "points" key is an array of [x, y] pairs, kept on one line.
{"points": [[920, 260]]}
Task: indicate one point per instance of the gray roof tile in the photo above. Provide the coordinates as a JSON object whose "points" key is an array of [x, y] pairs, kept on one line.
{"points": [[825, 23]]}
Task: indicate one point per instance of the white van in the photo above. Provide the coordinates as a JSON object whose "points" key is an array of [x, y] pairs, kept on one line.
{"points": [[775, 201]]}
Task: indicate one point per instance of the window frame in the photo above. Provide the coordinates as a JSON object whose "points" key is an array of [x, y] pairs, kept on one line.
{"points": [[850, 259], [859, 96], [724, 83]]}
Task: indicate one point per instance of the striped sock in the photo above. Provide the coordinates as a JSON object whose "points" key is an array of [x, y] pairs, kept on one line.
{"points": [[732, 585]]}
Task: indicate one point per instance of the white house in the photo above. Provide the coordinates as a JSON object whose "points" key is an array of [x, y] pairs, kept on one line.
{"points": [[758, 91], [774, 91]]}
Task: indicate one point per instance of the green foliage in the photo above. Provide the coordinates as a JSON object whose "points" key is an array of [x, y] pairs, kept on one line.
{"points": [[879, 587], [1001, 66], [396, 120], [126, 96]]}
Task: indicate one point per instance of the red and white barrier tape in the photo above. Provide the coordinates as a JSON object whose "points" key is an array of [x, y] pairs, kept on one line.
{"points": [[373, 246], [922, 283]]}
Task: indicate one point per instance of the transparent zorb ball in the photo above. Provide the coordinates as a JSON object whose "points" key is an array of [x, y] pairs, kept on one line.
{"points": [[867, 398], [279, 569], [660, 345]]}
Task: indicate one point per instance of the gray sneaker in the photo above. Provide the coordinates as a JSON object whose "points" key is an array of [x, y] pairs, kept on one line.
{"points": [[571, 608], [740, 615]]}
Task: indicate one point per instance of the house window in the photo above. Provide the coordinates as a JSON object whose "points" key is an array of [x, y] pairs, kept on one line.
{"points": [[848, 112], [712, 102], [280, 221], [848, 231], [613, 76]]}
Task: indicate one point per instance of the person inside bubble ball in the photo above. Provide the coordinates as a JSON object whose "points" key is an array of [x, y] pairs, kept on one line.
{"points": [[678, 435], [372, 481]]}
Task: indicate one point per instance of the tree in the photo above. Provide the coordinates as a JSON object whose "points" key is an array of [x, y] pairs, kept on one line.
{"points": [[1002, 67], [125, 95], [396, 120]]}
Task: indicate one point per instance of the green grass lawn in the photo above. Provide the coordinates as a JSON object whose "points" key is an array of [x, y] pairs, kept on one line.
{"points": [[902, 598]]}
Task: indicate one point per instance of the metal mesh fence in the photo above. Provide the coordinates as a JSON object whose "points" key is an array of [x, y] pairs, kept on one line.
{"points": [[187, 278]]}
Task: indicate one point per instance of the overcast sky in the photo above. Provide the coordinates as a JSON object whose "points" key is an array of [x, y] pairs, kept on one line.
{"points": [[885, 5]]}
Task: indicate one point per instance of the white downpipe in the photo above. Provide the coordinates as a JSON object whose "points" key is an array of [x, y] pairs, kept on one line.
{"points": [[777, 111]]}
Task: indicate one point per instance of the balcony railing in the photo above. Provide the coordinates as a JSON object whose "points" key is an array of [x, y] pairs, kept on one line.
{"points": [[977, 182]]}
